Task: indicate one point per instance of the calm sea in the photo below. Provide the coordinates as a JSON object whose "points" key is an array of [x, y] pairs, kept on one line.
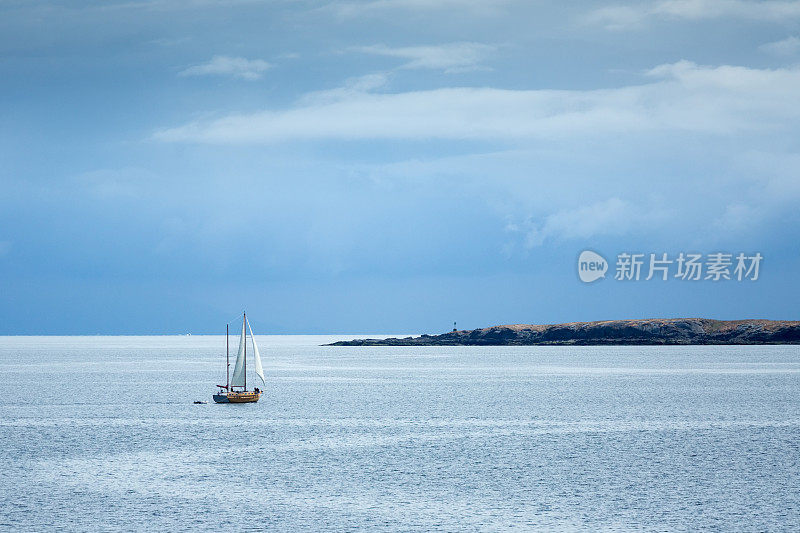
{"points": [[100, 433]]}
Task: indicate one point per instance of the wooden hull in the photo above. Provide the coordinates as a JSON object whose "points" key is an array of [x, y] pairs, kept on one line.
{"points": [[243, 397]]}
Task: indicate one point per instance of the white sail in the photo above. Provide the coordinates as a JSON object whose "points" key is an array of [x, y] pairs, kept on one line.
{"points": [[256, 355], [238, 371]]}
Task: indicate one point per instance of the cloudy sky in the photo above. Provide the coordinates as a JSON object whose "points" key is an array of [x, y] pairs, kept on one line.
{"points": [[390, 165]]}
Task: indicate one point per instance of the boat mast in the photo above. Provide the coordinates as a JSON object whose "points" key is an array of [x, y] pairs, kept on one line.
{"points": [[244, 321], [227, 361]]}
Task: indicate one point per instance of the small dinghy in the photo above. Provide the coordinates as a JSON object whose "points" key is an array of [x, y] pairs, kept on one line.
{"points": [[228, 393], [200, 401]]}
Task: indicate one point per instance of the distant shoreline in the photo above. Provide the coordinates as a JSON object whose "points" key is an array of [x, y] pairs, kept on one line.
{"points": [[143, 335], [664, 332]]}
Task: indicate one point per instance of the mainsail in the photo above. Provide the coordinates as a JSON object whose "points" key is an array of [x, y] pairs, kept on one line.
{"points": [[256, 356], [238, 371]]}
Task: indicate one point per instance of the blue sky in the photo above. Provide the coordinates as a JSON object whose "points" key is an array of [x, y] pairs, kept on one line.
{"points": [[390, 165]]}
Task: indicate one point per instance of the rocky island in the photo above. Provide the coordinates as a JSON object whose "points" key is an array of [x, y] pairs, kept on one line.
{"points": [[660, 331]]}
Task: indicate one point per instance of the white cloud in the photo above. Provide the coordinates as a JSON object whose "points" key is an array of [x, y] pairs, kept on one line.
{"points": [[238, 67], [451, 58], [681, 96], [786, 47], [175, 5], [738, 218], [353, 88], [620, 17], [355, 9], [617, 17], [701, 9], [610, 217]]}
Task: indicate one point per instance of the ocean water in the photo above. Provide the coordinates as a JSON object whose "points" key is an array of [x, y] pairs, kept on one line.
{"points": [[100, 433]]}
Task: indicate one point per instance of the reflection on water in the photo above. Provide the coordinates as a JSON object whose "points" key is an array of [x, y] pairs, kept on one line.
{"points": [[101, 433]]}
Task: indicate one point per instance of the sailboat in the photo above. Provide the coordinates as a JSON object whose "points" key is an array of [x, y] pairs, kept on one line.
{"points": [[228, 393]]}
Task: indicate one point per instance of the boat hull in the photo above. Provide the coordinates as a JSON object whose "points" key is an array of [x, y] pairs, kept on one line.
{"points": [[244, 397], [237, 397], [220, 398]]}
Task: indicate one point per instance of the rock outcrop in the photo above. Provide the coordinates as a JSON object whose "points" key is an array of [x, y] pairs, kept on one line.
{"points": [[609, 332]]}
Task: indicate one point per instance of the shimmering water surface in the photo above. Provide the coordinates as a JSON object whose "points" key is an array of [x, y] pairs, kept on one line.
{"points": [[100, 433]]}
